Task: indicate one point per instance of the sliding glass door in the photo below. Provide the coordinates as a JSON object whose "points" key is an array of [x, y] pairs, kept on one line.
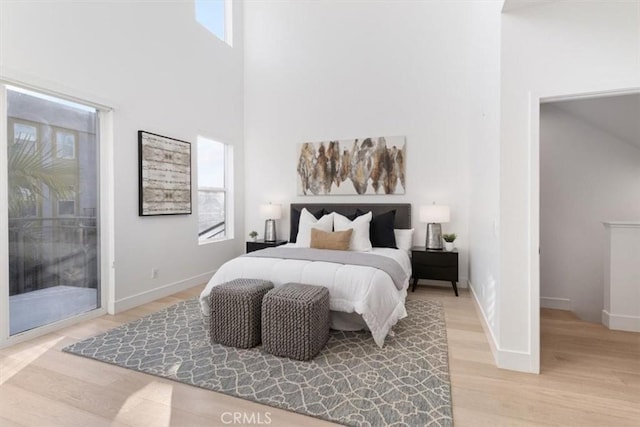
{"points": [[52, 183]]}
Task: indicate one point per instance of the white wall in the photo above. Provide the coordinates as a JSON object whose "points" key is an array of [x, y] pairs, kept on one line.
{"points": [[621, 309], [562, 47], [587, 176], [162, 72], [335, 70], [484, 202]]}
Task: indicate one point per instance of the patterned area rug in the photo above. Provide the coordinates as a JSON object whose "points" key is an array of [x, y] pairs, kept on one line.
{"points": [[352, 381]]}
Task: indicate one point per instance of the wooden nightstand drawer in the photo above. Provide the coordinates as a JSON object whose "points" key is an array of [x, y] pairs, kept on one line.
{"points": [[441, 259], [450, 274]]}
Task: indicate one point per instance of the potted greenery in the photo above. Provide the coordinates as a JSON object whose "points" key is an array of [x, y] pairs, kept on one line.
{"points": [[253, 235], [448, 241]]}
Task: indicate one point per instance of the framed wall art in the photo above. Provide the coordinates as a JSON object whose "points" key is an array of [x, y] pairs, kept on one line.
{"points": [[373, 165], [164, 175]]}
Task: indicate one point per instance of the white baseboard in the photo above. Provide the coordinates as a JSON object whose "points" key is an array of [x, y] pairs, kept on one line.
{"points": [[620, 322], [555, 303], [505, 359], [163, 291], [493, 342], [514, 360]]}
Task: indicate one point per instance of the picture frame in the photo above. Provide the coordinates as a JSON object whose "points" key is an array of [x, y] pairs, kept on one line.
{"points": [[164, 166]]}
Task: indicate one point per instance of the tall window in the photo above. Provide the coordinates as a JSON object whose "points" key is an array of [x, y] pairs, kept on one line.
{"points": [[214, 195], [51, 174], [215, 16]]}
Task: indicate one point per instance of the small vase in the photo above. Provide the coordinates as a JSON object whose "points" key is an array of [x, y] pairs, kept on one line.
{"points": [[448, 246]]}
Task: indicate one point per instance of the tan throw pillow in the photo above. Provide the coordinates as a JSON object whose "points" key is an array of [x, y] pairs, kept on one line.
{"points": [[338, 240]]}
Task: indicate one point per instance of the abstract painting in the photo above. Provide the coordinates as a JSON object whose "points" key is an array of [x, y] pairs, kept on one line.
{"points": [[356, 166], [164, 175]]}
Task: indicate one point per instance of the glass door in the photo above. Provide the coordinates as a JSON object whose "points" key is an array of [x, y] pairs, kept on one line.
{"points": [[53, 194]]}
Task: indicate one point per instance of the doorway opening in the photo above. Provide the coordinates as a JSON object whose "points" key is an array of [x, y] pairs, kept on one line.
{"points": [[588, 161], [51, 219]]}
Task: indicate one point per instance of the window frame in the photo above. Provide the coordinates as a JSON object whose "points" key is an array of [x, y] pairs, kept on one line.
{"points": [[56, 153], [12, 121], [71, 196], [105, 219], [227, 21], [214, 190], [226, 190]]}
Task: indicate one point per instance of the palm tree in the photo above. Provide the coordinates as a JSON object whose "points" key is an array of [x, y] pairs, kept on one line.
{"points": [[31, 172], [33, 175]]}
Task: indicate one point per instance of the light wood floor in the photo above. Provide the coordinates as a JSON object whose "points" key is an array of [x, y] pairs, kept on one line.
{"points": [[590, 377]]}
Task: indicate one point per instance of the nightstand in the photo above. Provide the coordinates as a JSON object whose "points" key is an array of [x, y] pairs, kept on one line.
{"points": [[261, 244], [435, 265]]}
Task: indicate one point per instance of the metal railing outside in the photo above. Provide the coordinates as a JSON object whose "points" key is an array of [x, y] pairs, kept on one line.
{"points": [[47, 252]]}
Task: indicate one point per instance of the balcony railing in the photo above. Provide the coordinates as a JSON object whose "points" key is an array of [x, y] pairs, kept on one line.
{"points": [[47, 252], [213, 232]]}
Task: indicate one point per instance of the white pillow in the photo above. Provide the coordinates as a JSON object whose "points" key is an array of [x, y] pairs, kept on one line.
{"points": [[307, 222], [360, 236], [404, 239]]}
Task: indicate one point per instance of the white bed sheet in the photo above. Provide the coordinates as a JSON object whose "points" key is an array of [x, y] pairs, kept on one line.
{"points": [[367, 291]]}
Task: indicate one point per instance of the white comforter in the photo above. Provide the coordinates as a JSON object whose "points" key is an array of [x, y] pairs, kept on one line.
{"points": [[367, 291]]}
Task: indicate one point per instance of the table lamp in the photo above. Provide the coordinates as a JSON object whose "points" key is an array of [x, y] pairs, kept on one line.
{"points": [[433, 215], [270, 212]]}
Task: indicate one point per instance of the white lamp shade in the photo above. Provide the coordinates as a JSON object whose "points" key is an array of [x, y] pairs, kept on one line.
{"points": [[434, 214], [271, 211]]}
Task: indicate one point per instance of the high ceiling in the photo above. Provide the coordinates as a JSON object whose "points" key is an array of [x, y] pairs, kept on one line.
{"points": [[616, 115]]}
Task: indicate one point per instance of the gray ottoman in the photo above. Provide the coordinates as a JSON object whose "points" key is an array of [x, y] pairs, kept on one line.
{"points": [[295, 320], [236, 312]]}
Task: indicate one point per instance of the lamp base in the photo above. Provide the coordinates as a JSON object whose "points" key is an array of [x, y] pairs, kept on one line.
{"points": [[270, 230], [434, 236]]}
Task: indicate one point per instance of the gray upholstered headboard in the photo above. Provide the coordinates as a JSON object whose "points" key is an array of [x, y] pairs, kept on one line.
{"points": [[403, 210]]}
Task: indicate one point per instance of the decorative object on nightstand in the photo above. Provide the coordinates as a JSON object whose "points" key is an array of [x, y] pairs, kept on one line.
{"points": [[253, 235], [433, 215], [448, 241], [434, 264], [256, 245], [270, 213]]}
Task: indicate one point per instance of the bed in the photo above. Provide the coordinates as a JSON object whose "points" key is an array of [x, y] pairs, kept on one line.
{"points": [[363, 294]]}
